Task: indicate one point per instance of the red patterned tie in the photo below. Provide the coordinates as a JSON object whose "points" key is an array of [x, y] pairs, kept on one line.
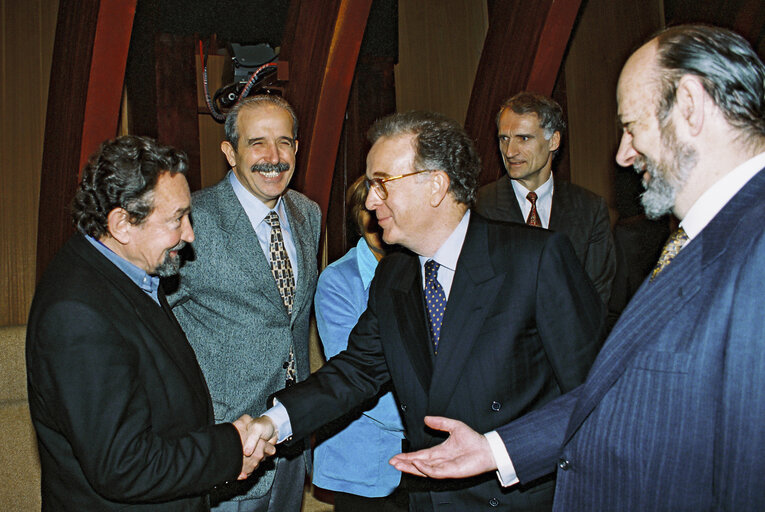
{"points": [[533, 218]]}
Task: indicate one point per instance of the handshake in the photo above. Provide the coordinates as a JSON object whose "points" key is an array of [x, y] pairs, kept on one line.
{"points": [[258, 438]]}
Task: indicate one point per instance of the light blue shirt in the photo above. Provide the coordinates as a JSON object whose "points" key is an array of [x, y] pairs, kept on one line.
{"points": [[544, 200], [257, 211], [147, 283], [355, 460]]}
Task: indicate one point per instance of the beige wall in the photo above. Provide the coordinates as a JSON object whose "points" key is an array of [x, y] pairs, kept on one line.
{"points": [[27, 29], [606, 34], [439, 46]]}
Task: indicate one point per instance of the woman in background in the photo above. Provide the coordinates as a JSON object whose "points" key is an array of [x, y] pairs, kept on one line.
{"points": [[354, 462]]}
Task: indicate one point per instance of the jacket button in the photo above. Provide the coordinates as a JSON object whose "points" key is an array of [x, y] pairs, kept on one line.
{"points": [[564, 464], [403, 407], [496, 406], [494, 502]]}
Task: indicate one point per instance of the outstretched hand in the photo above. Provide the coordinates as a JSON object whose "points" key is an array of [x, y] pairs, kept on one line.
{"points": [[258, 438], [465, 453]]}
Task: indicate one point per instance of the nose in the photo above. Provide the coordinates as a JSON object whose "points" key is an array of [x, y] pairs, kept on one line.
{"points": [[510, 149], [272, 153], [626, 154], [373, 200], [187, 232]]}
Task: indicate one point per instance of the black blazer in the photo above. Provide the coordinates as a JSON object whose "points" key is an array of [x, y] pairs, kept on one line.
{"points": [[522, 326], [121, 409], [577, 212]]}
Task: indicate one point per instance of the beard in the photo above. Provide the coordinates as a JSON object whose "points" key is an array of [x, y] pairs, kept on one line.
{"points": [[266, 167], [666, 178], [171, 264]]}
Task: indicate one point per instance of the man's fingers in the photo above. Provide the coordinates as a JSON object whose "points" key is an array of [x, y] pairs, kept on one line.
{"points": [[441, 423]]}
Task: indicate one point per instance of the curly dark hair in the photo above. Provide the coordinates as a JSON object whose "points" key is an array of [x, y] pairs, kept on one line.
{"points": [[440, 143], [122, 174], [729, 69]]}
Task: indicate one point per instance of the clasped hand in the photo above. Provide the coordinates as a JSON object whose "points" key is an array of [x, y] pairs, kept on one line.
{"points": [[258, 438]]}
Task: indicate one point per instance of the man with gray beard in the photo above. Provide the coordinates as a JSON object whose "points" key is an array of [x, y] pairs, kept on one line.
{"points": [[246, 288], [671, 414]]}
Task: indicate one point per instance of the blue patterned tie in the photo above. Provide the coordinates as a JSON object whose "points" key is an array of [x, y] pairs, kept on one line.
{"points": [[435, 301]]}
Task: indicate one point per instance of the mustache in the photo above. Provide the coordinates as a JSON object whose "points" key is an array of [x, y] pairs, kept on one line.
{"points": [[178, 247], [266, 167]]}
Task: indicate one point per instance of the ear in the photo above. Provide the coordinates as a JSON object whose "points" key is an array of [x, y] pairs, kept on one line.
{"points": [[554, 143], [118, 224], [439, 187], [690, 103], [230, 152], [296, 146]]}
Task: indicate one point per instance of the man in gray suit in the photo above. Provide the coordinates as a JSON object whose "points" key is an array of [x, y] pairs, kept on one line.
{"points": [[529, 128], [244, 295]]}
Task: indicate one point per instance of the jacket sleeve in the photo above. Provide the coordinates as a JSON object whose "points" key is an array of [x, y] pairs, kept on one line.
{"points": [[600, 262], [88, 379]]}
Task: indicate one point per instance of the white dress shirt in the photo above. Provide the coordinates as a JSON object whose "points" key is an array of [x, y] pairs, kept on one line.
{"points": [[544, 200]]}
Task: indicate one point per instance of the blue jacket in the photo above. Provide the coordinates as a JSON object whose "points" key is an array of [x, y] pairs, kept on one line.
{"points": [[355, 460]]}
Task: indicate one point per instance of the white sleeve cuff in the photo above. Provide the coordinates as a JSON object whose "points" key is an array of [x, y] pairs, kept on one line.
{"points": [[505, 468], [280, 417]]}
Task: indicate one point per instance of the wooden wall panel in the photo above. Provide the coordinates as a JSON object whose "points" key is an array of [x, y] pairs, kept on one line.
{"points": [[440, 44], [606, 34], [26, 47]]}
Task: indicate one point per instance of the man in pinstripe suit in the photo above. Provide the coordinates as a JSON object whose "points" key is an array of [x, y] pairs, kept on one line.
{"points": [[671, 415]]}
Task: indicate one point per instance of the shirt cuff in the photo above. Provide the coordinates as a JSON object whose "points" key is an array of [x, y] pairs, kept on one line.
{"points": [[278, 414], [505, 469]]}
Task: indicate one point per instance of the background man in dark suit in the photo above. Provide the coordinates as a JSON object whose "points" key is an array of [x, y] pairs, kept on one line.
{"points": [[457, 324], [530, 127], [670, 417], [122, 413], [245, 293]]}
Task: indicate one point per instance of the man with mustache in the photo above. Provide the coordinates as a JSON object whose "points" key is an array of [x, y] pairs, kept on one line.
{"points": [[122, 413], [671, 414], [530, 130], [246, 287]]}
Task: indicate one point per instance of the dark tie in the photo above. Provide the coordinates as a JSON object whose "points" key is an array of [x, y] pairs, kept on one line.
{"points": [[281, 269], [435, 301], [675, 242], [533, 218]]}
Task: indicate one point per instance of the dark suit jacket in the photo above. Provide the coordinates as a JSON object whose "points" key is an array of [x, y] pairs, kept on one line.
{"points": [[671, 416], [577, 212], [513, 338], [122, 413]]}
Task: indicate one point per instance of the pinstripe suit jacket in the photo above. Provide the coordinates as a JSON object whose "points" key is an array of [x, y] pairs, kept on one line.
{"points": [[230, 308], [671, 415]]}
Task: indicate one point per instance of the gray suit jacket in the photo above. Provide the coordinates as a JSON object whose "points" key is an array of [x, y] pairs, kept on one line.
{"points": [[229, 306], [577, 212]]}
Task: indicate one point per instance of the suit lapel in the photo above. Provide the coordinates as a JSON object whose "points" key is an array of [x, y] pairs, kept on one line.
{"points": [[474, 278], [241, 243], [302, 238], [561, 205], [656, 302], [409, 315], [507, 205]]}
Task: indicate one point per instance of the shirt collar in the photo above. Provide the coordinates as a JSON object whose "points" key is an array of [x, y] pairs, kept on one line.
{"points": [[449, 252], [146, 282], [366, 261], [544, 190], [255, 209], [717, 196]]}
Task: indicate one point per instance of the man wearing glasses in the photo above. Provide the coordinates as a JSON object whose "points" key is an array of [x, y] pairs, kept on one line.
{"points": [[458, 324]]}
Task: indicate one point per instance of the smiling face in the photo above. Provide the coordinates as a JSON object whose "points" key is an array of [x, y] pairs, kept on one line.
{"points": [[650, 147], [154, 243], [526, 153], [404, 215], [265, 159]]}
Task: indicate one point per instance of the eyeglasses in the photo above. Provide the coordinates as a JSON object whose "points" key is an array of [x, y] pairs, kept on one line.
{"points": [[378, 184]]}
